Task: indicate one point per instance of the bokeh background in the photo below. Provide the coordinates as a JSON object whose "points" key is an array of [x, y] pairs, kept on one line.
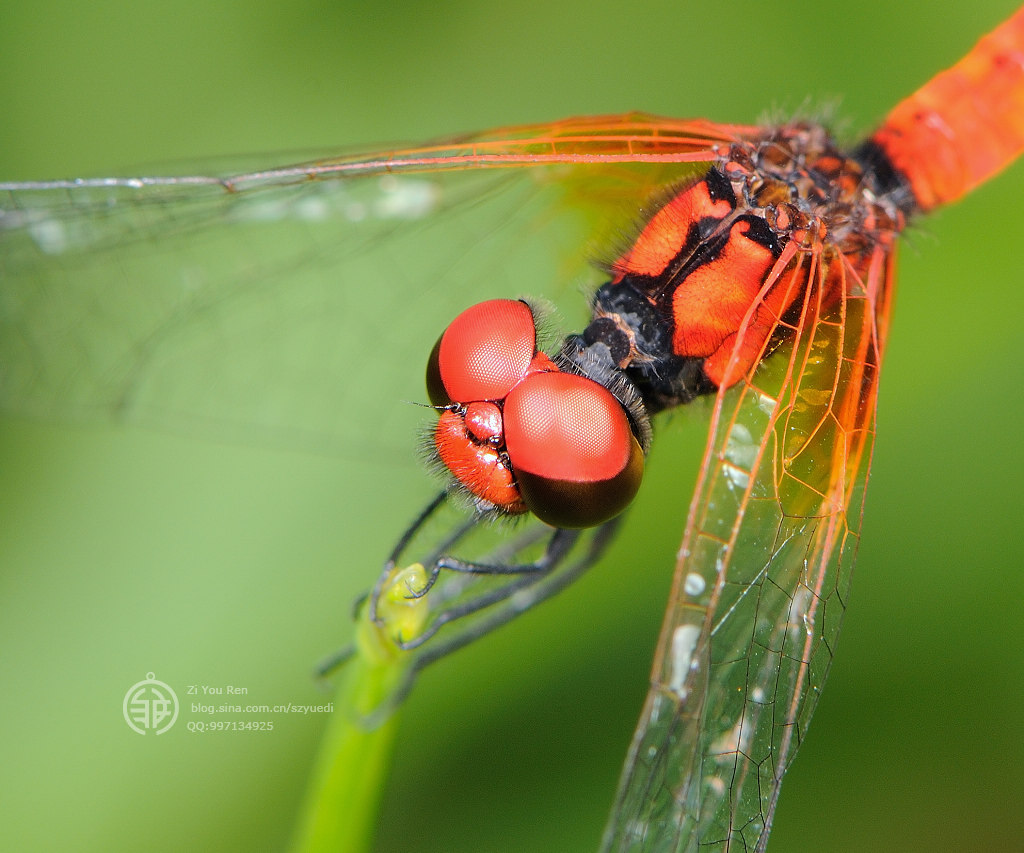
{"points": [[124, 551]]}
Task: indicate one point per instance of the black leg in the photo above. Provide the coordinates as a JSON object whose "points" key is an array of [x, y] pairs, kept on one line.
{"points": [[519, 596], [466, 598], [559, 545]]}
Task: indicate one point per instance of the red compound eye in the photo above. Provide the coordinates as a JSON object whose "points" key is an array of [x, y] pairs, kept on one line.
{"points": [[483, 353], [573, 452], [525, 435]]}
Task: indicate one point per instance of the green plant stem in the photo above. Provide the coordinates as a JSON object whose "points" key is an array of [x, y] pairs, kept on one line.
{"points": [[340, 811], [341, 805]]}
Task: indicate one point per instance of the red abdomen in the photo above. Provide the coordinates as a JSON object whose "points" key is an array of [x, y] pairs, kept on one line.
{"points": [[965, 124]]}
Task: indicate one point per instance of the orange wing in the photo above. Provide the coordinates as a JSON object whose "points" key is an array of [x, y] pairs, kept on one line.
{"points": [[762, 577]]}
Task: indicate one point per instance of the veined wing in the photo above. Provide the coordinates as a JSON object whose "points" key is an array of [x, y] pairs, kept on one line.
{"points": [[253, 305], [763, 572]]}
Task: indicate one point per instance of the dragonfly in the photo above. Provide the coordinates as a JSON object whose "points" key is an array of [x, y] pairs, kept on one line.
{"points": [[61, 223]]}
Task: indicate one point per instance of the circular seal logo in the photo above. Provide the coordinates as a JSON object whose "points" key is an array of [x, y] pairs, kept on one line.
{"points": [[150, 706]]}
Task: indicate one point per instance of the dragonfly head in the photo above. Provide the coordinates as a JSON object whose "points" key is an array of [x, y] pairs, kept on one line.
{"points": [[521, 434]]}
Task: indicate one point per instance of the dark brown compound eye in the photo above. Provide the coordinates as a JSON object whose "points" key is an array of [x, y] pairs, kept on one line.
{"points": [[573, 453]]}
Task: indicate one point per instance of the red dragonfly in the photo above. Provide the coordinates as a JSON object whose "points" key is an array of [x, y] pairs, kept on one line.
{"points": [[791, 427]]}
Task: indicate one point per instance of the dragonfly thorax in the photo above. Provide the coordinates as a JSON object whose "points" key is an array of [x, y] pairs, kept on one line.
{"points": [[692, 304], [808, 189]]}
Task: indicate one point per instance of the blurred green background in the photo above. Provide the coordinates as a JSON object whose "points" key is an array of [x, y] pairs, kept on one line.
{"points": [[124, 551]]}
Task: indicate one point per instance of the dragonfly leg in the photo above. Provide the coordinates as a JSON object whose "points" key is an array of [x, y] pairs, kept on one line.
{"points": [[508, 601], [560, 543], [414, 598], [558, 547]]}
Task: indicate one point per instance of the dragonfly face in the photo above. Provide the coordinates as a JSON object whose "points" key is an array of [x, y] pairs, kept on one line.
{"points": [[524, 434]]}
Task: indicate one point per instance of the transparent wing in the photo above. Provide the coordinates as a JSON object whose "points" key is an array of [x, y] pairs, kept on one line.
{"points": [[763, 572], [295, 305]]}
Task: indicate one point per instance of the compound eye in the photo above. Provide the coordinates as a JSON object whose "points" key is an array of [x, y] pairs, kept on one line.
{"points": [[483, 353], [573, 452]]}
